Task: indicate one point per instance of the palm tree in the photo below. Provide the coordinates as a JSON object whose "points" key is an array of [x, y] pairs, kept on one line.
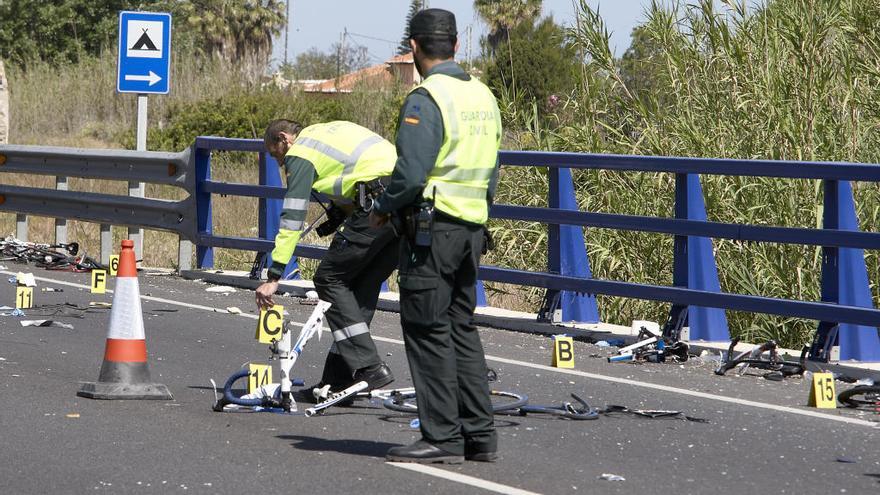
{"points": [[238, 31], [504, 15]]}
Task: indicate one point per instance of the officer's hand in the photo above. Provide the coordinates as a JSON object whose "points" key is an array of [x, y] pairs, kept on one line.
{"points": [[265, 293], [378, 219]]}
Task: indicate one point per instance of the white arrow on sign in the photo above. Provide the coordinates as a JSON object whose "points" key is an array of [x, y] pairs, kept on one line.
{"points": [[152, 77]]}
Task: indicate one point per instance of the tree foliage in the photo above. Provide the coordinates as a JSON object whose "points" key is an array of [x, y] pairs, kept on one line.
{"points": [[504, 15], [339, 60], [641, 62], [67, 30], [235, 30], [536, 63], [60, 30]]}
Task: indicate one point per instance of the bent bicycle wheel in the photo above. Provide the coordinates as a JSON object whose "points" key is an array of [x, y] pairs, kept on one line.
{"points": [[501, 401], [861, 396]]}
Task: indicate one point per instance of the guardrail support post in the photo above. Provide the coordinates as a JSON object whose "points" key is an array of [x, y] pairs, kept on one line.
{"points": [[106, 243], [204, 254], [550, 310], [845, 282], [694, 263], [573, 259], [184, 255], [61, 223], [481, 294], [21, 227], [270, 212]]}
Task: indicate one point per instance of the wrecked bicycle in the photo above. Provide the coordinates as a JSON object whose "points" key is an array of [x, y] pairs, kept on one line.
{"points": [[503, 402], [61, 256], [777, 366], [861, 397], [508, 403]]}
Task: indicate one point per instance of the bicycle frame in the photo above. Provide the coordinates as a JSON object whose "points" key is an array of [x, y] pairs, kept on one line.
{"points": [[287, 351], [754, 357]]}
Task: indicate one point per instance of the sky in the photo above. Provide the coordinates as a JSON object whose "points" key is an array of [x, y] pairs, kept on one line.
{"points": [[378, 25]]}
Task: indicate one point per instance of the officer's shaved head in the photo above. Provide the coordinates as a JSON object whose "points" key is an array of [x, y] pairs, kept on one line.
{"points": [[276, 127]]}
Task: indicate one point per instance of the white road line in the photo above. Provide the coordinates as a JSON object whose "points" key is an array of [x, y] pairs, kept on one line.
{"points": [[550, 369], [461, 478]]}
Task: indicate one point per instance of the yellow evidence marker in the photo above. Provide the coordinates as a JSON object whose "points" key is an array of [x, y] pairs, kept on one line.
{"points": [[822, 393], [563, 352], [99, 281], [259, 375], [114, 264], [24, 297], [269, 324]]}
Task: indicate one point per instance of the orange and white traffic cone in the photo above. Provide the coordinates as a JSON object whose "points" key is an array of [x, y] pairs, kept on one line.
{"points": [[125, 374]]}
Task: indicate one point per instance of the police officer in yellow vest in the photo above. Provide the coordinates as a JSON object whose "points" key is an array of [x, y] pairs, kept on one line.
{"points": [[347, 163], [442, 185]]}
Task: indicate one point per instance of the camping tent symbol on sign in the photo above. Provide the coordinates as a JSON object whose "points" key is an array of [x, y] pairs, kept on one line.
{"points": [[144, 39]]}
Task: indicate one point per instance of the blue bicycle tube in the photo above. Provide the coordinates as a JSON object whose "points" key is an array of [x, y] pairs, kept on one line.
{"points": [[232, 399]]}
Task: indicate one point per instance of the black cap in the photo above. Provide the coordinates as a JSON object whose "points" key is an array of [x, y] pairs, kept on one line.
{"points": [[433, 22]]}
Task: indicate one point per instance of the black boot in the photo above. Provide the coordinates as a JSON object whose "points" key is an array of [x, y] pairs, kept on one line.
{"points": [[376, 376], [422, 452]]}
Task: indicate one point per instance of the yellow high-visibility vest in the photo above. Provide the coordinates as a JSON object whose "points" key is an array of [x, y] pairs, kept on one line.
{"points": [[472, 135], [343, 154]]}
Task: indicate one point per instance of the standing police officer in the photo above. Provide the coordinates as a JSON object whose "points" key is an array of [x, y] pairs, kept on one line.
{"points": [[347, 163], [442, 185]]}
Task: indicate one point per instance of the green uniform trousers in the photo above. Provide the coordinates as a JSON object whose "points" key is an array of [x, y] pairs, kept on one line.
{"points": [[446, 359], [350, 277]]}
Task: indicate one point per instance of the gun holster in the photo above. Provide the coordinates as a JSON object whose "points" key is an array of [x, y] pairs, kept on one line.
{"points": [[335, 217]]}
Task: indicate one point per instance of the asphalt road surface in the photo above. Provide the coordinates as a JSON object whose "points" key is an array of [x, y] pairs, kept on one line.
{"points": [[760, 437]]}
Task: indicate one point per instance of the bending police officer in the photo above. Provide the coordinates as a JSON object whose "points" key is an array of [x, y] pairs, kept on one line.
{"points": [[339, 159], [442, 185]]}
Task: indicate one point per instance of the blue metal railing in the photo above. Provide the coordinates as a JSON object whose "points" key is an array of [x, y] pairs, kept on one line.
{"points": [[833, 238]]}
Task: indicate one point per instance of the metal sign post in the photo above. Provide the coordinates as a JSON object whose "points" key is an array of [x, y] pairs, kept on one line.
{"points": [[136, 189], [143, 68]]}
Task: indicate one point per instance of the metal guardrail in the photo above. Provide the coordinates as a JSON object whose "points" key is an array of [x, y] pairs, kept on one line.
{"points": [[191, 218], [681, 226], [173, 169]]}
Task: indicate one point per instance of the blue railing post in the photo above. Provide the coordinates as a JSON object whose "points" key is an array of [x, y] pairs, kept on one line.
{"points": [[552, 296], [204, 254], [573, 259], [270, 211], [694, 263], [264, 205], [481, 294], [845, 281]]}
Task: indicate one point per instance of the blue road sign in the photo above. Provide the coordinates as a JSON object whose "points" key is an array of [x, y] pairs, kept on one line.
{"points": [[144, 52]]}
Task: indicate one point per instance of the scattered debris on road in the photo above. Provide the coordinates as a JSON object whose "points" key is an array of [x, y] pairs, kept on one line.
{"points": [[25, 279], [223, 289], [46, 323]]}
